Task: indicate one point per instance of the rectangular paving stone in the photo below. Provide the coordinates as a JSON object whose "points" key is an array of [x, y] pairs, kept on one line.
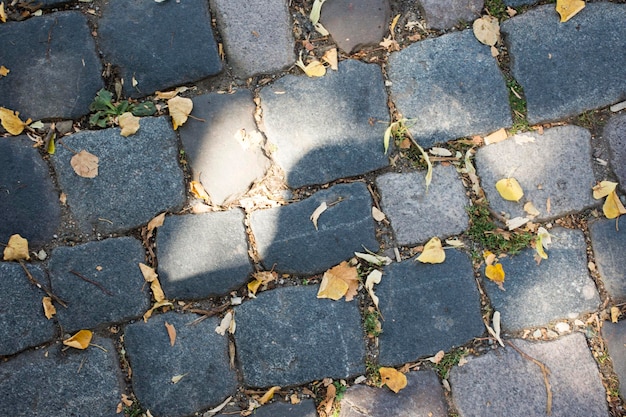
{"points": [[258, 36], [288, 241], [427, 308], [449, 87], [615, 134], [202, 255], [287, 336], [199, 354], [609, 250], [58, 382], [22, 322], [423, 396], [416, 214], [160, 45], [121, 292], [55, 69], [223, 145], [444, 14], [504, 380], [559, 287], [615, 336], [567, 68], [327, 128], [138, 176], [555, 166]]}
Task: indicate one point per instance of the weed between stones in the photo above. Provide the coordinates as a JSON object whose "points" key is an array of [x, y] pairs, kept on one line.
{"points": [[484, 231]]}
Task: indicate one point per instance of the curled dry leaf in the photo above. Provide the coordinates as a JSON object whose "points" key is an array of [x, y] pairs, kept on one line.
{"points": [[487, 30], [180, 108], [313, 69], [495, 137], [268, 395], [176, 378], [11, 122], [128, 123], [16, 249], [543, 240], [156, 305], [374, 259], [48, 309], [394, 379], [157, 221], [438, 357], [530, 208], [4, 71], [569, 8], [166, 95], [439, 151], [171, 332], [373, 278], [433, 252], [338, 281], [198, 191], [80, 340], [261, 278], [516, 222], [227, 324], [509, 189], [495, 330], [330, 57], [316, 214], [85, 164], [316, 11], [3, 14], [615, 314], [151, 276]]}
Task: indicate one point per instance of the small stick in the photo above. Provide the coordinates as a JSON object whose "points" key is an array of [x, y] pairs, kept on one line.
{"points": [[41, 287], [544, 370], [97, 284]]}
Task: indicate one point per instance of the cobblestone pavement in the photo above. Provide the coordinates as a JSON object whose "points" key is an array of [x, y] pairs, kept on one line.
{"points": [[270, 145]]}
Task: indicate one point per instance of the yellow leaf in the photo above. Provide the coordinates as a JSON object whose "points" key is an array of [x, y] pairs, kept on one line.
{"points": [[543, 240], [393, 24], [85, 164], [316, 214], [489, 257], [180, 108], [509, 189], [16, 249], [313, 69], [603, 189], [80, 340], [152, 277], [487, 30], [268, 395], [614, 314], [338, 281], [3, 14], [48, 308], [613, 207], [198, 191], [254, 285], [156, 305], [330, 57], [495, 273], [11, 122], [165, 95], [171, 333], [569, 8], [530, 208], [394, 379], [128, 123], [4, 71], [433, 253]]}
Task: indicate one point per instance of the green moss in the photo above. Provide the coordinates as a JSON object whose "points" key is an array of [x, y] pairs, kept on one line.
{"points": [[518, 105], [483, 230], [496, 8], [449, 360], [372, 324]]}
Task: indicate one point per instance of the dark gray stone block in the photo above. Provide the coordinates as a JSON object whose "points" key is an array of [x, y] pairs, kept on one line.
{"points": [[559, 287], [615, 336], [448, 13], [287, 240], [59, 383], [161, 44], [200, 354], [29, 204], [517, 3], [288, 336], [615, 133], [22, 322], [354, 25], [201, 255], [423, 396], [55, 70], [504, 380], [258, 36], [327, 128], [224, 165], [114, 265], [556, 166], [427, 308], [449, 87], [415, 214], [567, 68], [138, 176], [609, 249], [304, 409]]}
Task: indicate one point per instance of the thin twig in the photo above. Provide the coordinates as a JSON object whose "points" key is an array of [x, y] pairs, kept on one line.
{"points": [[41, 287], [544, 370], [97, 284]]}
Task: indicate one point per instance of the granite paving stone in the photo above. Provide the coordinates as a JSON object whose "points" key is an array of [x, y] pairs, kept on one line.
{"points": [[327, 128], [60, 382], [615, 336], [448, 13], [29, 203], [554, 170], [448, 87], [354, 25], [568, 68], [423, 396], [258, 37], [22, 322], [138, 176], [159, 45], [223, 145], [198, 353], [615, 133], [417, 214], [504, 380], [201, 255], [288, 241], [559, 287], [55, 70], [609, 250], [517, 3], [121, 293], [305, 408], [288, 336], [427, 308]]}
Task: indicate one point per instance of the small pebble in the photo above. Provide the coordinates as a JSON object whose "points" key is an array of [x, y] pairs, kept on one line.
{"points": [[552, 334], [562, 327], [537, 334], [579, 323]]}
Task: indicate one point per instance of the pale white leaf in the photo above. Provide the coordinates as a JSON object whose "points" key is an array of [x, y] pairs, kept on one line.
{"points": [[516, 222], [374, 259], [378, 215], [176, 378], [316, 10], [455, 243], [316, 214], [373, 278], [224, 324], [439, 151]]}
